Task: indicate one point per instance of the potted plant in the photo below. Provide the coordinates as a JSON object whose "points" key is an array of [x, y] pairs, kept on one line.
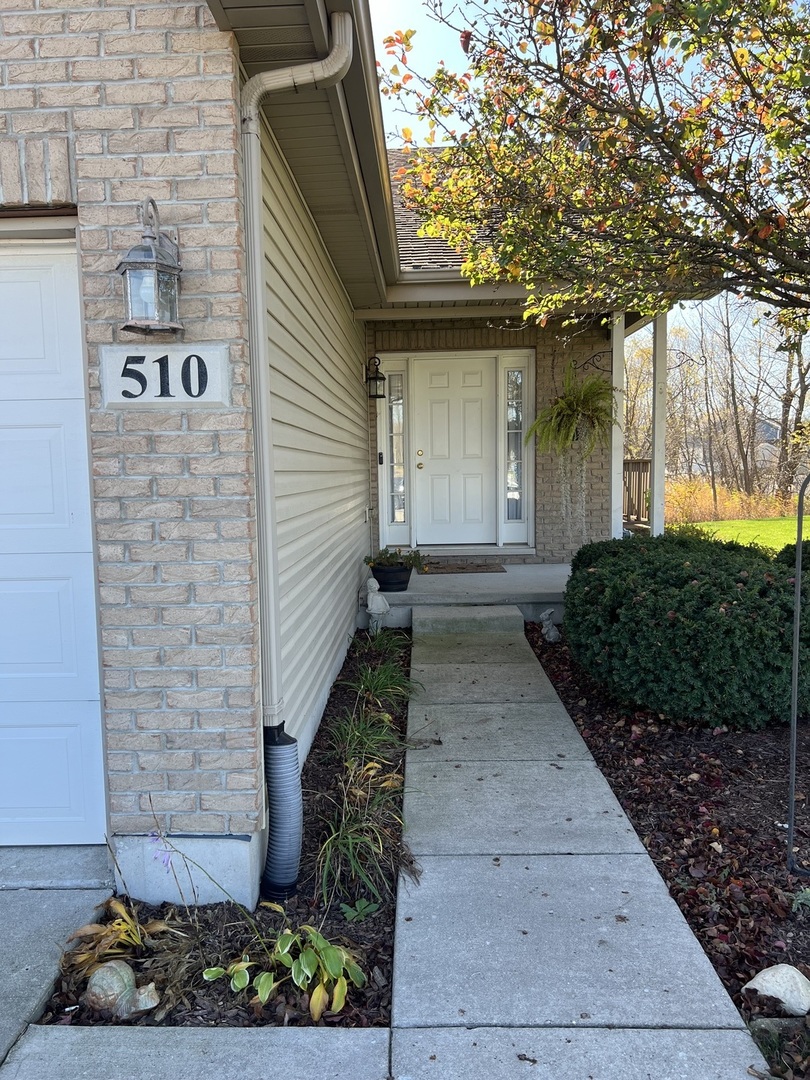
{"points": [[392, 567]]}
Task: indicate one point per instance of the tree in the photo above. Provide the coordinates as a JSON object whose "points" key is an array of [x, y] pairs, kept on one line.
{"points": [[621, 155], [737, 395]]}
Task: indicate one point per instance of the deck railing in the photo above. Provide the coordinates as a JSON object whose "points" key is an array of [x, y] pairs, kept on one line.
{"points": [[637, 490]]}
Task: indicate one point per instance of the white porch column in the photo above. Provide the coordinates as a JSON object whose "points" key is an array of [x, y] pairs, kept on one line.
{"points": [[617, 439], [659, 425]]}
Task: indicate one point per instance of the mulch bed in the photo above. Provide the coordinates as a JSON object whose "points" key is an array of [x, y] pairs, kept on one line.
{"points": [[711, 808], [217, 934]]}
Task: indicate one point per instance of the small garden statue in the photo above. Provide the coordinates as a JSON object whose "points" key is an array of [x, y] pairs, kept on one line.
{"points": [[547, 627], [376, 605]]}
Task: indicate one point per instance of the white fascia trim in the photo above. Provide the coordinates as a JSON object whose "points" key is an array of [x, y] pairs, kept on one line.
{"points": [[452, 288], [373, 133], [457, 311]]}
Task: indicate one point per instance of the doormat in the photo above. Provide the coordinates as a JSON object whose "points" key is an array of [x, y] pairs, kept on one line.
{"points": [[432, 567]]}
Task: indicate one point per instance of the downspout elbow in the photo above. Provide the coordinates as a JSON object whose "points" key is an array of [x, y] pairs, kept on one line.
{"points": [[318, 74]]}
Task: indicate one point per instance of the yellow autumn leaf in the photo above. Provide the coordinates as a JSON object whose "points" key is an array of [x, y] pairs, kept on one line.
{"points": [[318, 1002], [339, 995]]}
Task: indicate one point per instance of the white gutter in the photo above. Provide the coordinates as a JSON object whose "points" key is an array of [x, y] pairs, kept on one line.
{"points": [[317, 74]]}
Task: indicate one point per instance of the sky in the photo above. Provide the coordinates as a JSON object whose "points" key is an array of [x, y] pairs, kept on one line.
{"points": [[432, 42]]}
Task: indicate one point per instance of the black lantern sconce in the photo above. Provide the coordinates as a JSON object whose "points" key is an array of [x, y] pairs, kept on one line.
{"points": [[375, 379], [151, 273]]}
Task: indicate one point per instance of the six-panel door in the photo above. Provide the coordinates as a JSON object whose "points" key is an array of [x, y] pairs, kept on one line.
{"points": [[454, 450]]}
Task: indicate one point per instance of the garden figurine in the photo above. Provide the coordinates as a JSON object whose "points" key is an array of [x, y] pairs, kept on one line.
{"points": [[376, 606]]}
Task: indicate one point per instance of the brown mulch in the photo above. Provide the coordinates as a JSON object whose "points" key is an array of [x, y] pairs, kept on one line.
{"points": [[218, 934], [711, 808]]}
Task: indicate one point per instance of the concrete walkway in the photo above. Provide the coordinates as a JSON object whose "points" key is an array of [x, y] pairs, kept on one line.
{"points": [[45, 894], [541, 942]]}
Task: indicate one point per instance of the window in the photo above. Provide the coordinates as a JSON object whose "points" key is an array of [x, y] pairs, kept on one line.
{"points": [[515, 498], [396, 448]]}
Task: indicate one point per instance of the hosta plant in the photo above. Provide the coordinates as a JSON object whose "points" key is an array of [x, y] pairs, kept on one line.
{"points": [[304, 957]]}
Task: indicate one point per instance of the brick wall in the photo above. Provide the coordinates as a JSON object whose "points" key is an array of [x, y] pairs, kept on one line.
{"points": [[554, 347], [101, 105]]}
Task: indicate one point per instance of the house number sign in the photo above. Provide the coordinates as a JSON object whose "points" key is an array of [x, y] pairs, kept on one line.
{"points": [[145, 376]]}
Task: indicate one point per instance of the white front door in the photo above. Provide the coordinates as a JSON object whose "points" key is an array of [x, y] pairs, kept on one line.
{"points": [[51, 765], [454, 450]]}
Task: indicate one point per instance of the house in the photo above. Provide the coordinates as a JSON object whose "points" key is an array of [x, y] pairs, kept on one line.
{"points": [[184, 512]]}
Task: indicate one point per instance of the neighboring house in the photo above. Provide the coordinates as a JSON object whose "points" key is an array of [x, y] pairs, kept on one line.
{"points": [[183, 515]]}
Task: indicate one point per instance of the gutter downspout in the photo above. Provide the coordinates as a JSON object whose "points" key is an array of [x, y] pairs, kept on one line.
{"points": [[285, 817]]}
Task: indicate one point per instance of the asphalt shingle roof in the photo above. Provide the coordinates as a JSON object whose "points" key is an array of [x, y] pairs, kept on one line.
{"points": [[416, 252]]}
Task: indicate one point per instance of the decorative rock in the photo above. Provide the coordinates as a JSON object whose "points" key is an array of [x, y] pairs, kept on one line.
{"points": [[111, 988], [786, 984]]}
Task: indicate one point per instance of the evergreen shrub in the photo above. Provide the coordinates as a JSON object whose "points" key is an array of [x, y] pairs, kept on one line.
{"points": [[697, 629], [787, 556]]}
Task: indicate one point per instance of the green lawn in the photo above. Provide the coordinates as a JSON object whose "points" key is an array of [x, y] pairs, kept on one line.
{"points": [[771, 532]]}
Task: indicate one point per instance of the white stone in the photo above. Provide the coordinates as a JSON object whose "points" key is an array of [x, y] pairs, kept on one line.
{"points": [[786, 984]]}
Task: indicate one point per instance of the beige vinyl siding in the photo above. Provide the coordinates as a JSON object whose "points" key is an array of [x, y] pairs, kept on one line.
{"points": [[320, 438]]}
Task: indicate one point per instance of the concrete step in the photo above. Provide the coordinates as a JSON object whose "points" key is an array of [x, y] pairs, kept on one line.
{"points": [[447, 619], [85, 866]]}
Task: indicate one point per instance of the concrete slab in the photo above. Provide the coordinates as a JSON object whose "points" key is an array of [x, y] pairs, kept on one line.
{"points": [[53, 1053], [85, 866], [440, 619], [463, 648], [458, 683], [513, 807], [573, 1054], [35, 925], [550, 941], [494, 732], [526, 583]]}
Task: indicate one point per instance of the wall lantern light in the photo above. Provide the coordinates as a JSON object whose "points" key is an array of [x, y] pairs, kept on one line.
{"points": [[151, 273], [375, 379]]}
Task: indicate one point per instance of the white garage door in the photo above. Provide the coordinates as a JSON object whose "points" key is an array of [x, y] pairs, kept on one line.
{"points": [[51, 766]]}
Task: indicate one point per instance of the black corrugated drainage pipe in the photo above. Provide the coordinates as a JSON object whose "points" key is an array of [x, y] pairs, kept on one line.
{"points": [[285, 814]]}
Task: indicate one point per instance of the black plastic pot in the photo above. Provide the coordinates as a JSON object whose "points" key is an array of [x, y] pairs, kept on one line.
{"points": [[392, 578]]}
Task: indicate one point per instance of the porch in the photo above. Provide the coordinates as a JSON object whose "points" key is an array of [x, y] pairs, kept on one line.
{"points": [[533, 587]]}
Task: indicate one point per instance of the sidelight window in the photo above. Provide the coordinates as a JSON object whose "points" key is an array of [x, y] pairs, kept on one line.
{"points": [[396, 448], [515, 431]]}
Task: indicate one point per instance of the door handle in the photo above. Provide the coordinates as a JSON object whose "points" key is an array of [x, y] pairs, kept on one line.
{"points": [[420, 465]]}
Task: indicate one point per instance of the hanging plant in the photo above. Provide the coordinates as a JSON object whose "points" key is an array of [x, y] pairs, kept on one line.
{"points": [[579, 420], [583, 412]]}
